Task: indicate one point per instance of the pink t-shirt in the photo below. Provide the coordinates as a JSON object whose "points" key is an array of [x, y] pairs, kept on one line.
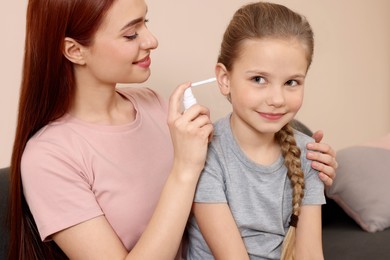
{"points": [[73, 171]]}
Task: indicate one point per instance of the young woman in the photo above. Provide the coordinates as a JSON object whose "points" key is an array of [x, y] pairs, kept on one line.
{"points": [[257, 182], [97, 173]]}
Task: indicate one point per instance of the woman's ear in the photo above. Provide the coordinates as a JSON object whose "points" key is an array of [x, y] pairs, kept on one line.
{"points": [[73, 51], [222, 76]]}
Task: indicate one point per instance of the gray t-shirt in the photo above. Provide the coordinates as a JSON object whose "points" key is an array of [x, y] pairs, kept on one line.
{"points": [[259, 197]]}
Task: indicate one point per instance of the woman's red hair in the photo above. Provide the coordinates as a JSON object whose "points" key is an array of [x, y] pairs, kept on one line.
{"points": [[47, 91]]}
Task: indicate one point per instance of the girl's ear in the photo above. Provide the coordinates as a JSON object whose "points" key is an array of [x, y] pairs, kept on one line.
{"points": [[73, 51], [222, 76]]}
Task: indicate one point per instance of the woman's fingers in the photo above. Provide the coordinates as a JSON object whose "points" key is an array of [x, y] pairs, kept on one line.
{"points": [[176, 102], [324, 159]]}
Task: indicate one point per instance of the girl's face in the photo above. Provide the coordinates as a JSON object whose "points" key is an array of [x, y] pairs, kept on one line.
{"points": [[120, 52], [266, 84]]}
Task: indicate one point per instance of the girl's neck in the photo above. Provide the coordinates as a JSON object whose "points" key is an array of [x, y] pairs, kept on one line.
{"points": [[261, 148]]}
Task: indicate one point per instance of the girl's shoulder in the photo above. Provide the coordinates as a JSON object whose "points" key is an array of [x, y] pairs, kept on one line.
{"points": [[302, 139]]}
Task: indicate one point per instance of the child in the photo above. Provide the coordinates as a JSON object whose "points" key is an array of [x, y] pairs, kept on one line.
{"points": [[258, 197]]}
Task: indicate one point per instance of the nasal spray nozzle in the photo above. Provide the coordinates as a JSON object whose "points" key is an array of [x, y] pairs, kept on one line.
{"points": [[189, 98]]}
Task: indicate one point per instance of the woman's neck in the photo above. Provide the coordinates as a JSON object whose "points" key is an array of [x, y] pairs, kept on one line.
{"points": [[102, 105]]}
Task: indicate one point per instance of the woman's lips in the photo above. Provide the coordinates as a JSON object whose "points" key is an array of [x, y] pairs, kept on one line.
{"points": [[144, 63]]}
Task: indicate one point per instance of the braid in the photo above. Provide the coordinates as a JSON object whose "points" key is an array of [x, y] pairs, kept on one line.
{"points": [[291, 154]]}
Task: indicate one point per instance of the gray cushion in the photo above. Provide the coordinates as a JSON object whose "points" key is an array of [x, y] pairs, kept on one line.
{"points": [[362, 186]]}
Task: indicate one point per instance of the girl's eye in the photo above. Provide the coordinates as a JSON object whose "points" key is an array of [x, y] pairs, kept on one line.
{"points": [[292, 83], [259, 79], [131, 37]]}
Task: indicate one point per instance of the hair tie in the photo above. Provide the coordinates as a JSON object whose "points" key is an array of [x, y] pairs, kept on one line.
{"points": [[293, 220]]}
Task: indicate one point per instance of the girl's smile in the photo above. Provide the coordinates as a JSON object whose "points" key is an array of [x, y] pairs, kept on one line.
{"points": [[271, 116]]}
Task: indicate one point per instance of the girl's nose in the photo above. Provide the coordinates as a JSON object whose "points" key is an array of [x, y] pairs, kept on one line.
{"points": [[275, 96]]}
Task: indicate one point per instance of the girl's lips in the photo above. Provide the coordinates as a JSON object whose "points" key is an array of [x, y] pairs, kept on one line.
{"points": [[271, 116], [144, 63]]}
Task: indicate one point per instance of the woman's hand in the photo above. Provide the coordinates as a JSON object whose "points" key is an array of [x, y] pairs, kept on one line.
{"points": [[324, 159], [190, 131]]}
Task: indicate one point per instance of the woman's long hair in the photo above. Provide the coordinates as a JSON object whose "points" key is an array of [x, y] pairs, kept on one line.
{"points": [[46, 94], [267, 20]]}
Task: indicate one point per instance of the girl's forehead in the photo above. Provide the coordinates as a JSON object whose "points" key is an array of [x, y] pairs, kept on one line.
{"points": [[273, 47], [271, 54]]}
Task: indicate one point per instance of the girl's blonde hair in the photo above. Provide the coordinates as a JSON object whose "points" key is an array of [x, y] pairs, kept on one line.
{"points": [[267, 20]]}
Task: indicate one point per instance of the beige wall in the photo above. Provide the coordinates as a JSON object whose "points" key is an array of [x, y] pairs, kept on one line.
{"points": [[348, 87]]}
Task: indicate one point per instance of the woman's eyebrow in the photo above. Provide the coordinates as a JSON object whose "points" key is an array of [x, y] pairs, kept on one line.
{"points": [[132, 22]]}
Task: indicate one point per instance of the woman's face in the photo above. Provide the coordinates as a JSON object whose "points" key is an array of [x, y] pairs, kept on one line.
{"points": [[120, 52]]}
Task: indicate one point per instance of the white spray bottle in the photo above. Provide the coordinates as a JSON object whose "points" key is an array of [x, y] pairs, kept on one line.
{"points": [[189, 98]]}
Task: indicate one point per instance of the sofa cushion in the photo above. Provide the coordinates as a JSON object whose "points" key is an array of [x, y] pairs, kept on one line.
{"points": [[343, 239], [361, 187]]}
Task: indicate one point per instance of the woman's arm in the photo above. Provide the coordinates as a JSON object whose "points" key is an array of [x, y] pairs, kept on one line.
{"points": [[220, 231], [308, 234], [95, 239], [324, 159]]}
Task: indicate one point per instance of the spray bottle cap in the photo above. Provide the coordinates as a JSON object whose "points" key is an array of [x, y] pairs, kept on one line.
{"points": [[188, 99]]}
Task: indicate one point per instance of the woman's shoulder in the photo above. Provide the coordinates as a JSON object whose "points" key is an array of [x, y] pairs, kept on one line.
{"points": [[56, 135]]}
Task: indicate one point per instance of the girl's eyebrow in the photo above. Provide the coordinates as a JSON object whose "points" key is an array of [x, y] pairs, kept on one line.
{"points": [[132, 22], [298, 75]]}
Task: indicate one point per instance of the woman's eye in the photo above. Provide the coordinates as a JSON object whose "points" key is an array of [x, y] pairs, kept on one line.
{"points": [[135, 35], [259, 80], [131, 37], [292, 83]]}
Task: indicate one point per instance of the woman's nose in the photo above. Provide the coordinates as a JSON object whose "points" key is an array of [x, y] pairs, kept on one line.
{"points": [[149, 41]]}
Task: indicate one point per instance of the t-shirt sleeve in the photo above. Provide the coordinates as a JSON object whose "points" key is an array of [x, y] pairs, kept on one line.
{"points": [[211, 185], [314, 187], [57, 189]]}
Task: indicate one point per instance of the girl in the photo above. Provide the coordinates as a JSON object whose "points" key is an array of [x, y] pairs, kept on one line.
{"points": [[257, 188], [96, 168]]}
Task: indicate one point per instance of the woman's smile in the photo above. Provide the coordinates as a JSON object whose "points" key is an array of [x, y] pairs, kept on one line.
{"points": [[144, 63]]}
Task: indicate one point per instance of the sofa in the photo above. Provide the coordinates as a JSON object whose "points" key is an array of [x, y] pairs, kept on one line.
{"points": [[4, 190], [344, 239]]}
